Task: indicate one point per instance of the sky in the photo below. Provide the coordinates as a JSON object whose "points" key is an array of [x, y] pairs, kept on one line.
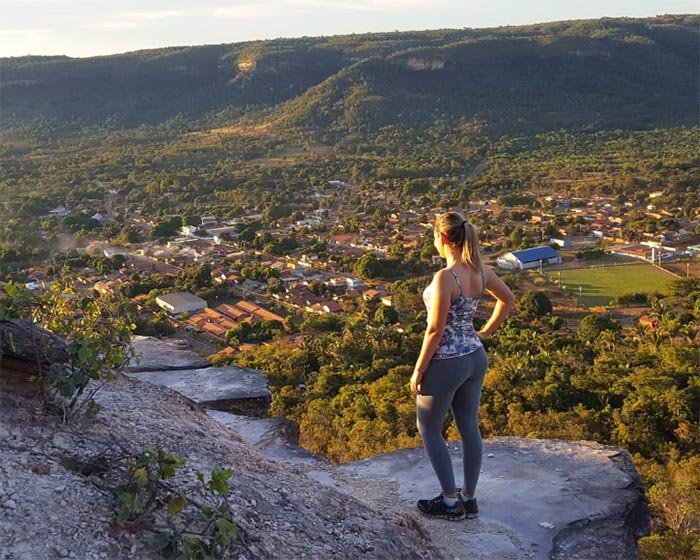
{"points": [[82, 28]]}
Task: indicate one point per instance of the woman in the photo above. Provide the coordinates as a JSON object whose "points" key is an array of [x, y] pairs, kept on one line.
{"points": [[452, 363]]}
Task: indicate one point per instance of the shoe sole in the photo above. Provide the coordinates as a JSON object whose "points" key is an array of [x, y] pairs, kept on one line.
{"points": [[445, 517]]}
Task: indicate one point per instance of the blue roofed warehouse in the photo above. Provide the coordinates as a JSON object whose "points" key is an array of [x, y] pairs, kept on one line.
{"points": [[528, 258]]}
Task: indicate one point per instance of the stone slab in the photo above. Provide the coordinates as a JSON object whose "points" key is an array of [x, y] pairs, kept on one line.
{"points": [[154, 354], [207, 386]]}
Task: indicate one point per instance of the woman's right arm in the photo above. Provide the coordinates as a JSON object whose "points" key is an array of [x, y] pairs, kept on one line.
{"points": [[505, 301]]}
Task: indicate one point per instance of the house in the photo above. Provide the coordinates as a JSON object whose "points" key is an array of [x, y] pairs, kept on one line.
{"points": [[212, 322], [563, 243], [108, 286], [528, 258], [232, 311], [208, 221], [112, 251], [59, 212], [370, 294], [330, 307], [33, 285], [245, 311], [636, 251], [226, 352], [181, 302]]}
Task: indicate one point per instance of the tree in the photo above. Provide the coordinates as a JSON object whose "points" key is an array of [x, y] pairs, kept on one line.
{"points": [[166, 227], [386, 315], [368, 266], [592, 325], [535, 304]]}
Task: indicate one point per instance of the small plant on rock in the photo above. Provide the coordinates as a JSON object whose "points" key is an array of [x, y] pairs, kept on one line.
{"points": [[198, 520]]}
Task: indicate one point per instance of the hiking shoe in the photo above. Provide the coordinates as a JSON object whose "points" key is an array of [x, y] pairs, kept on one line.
{"points": [[438, 508], [471, 508]]}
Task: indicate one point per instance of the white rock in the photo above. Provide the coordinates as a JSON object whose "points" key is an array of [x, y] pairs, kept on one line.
{"points": [[546, 525]]}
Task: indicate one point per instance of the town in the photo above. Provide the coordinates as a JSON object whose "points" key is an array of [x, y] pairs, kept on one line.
{"points": [[248, 275]]}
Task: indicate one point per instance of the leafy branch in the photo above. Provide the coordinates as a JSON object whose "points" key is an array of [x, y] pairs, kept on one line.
{"points": [[146, 493]]}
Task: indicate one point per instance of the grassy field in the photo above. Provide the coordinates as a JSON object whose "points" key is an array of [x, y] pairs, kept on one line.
{"points": [[600, 285]]}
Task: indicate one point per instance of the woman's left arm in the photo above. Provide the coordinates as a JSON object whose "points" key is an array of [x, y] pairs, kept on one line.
{"points": [[437, 318]]}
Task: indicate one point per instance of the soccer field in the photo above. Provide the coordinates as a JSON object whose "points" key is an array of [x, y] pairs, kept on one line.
{"points": [[598, 286]]}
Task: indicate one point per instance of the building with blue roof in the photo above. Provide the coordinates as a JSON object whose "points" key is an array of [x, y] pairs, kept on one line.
{"points": [[528, 258]]}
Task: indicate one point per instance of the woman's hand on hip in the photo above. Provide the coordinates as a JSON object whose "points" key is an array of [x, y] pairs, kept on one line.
{"points": [[416, 380], [482, 335]]}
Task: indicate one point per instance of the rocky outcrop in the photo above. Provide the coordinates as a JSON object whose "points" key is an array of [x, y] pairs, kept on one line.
{"points": [[170, 363], [25, 351], [539, 499], [153, 354], [51, 506], [415, 63], [223, 388], [275, 437]]}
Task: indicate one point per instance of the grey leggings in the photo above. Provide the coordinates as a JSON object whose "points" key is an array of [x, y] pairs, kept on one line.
{"points": [[453, 383]]}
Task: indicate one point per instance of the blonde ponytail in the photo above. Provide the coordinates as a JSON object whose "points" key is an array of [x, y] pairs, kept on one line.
{"points": [[461, 234], [470, 249]]}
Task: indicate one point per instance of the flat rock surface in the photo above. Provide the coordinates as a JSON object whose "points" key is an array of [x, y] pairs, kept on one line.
{"points": [[267, 435], [538, 499], [153, 354], [211, 384]]}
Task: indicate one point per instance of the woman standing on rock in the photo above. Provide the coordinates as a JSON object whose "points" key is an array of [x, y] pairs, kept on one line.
{"points": [[452, 363]]}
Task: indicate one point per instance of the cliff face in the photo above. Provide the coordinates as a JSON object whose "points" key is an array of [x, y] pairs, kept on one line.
{"points": [[539, 499]]}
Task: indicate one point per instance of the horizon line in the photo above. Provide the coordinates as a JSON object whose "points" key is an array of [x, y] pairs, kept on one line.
{"points": [[395, 31]]}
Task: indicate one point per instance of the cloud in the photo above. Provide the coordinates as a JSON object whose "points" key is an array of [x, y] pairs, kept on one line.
{"points": [[244, 11], [368, 5], [133, 20], [154, 16], [269, 8], [26, 34], [118, 25]]}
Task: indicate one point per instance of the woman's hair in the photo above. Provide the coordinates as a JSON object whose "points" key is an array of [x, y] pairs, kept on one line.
{"points": [[461, 234]]}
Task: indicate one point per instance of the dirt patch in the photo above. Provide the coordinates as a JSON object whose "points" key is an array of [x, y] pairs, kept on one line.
{"points": [[234, 130]]}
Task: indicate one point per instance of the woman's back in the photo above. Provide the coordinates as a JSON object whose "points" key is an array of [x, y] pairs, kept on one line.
{"points": [[459, 337]]}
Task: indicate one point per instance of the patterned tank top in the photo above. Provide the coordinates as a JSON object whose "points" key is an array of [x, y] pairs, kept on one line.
{"points": [[459, 338]]}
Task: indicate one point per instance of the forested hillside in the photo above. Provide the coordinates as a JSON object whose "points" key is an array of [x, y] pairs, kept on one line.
{"points": [[611, 73]]}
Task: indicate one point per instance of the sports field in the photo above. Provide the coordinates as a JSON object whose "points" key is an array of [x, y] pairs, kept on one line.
{"points": [[598, 286]]}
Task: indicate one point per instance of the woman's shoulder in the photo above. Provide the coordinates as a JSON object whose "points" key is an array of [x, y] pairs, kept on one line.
{"points": [[442, 275]]}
